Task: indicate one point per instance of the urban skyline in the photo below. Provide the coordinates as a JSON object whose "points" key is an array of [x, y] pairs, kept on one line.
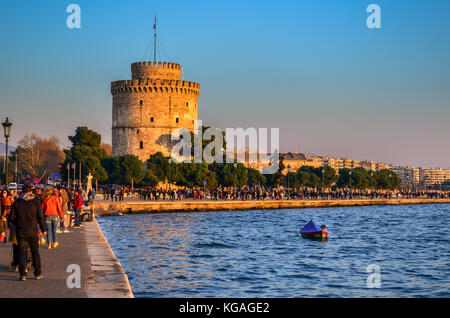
{"points": [[333, 87]]}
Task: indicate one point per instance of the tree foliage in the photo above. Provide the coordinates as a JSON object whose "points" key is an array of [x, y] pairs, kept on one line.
{"points": [[37, 156]]}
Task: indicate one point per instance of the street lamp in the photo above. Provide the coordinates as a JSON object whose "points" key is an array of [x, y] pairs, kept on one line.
{"points": [[288, 171], [287, 190], [350, 179], [170, 173], [7, 129], [323, 178], [234, 188]]}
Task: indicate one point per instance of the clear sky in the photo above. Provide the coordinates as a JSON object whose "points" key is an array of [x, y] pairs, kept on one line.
{"points": [[311, 68]]}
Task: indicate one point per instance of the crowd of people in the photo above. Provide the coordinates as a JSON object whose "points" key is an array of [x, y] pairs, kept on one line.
{"points": [[35, 217], [260, 193]]}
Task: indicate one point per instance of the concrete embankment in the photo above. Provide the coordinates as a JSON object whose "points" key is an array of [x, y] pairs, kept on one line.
{"points": [[134, 206], [108, 278]]}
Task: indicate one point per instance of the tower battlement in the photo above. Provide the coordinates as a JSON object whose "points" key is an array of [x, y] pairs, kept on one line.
{"points": [[155, 70], [154, 86]]}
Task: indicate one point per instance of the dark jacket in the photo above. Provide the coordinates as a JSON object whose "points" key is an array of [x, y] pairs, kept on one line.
{"points": [[26, 214]]}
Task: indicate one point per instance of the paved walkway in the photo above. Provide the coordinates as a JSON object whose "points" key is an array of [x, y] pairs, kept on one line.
{"points": [[72, 249]]}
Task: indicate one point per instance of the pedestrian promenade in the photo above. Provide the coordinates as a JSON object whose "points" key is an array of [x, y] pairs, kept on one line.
{"points": [[72, 249], [101, 276]]}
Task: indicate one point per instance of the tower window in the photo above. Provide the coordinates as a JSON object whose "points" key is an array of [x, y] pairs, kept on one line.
{"points": [[141, 145], [140, 102], [187, 104], [177, 120], [151, 119]]}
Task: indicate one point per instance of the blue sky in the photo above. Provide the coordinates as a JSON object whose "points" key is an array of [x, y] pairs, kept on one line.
{"points": [[311, 68]]}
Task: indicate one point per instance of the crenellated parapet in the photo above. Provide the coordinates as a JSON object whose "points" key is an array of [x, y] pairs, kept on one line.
{"points": [[155, 70], [155, 86]]}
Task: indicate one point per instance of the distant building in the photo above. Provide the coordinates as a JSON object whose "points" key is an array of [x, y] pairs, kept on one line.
{"points": [[411, 178], [296, 160], [434, 178], [382, 166], [368, 165]]}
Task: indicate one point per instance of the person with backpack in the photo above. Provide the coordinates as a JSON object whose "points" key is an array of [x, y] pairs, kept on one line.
{"points": [[26, 215]]}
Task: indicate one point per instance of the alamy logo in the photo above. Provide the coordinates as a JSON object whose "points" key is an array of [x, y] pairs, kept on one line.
{"points": [[236, 150], [374, 279], [74, 19], [374, 20], [74, 279]]}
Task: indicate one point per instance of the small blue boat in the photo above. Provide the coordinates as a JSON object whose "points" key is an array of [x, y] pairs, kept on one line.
{"points": [[312, 230]]}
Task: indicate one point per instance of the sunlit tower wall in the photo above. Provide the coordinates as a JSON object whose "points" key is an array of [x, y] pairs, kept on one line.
{"points": [[147, 108]]}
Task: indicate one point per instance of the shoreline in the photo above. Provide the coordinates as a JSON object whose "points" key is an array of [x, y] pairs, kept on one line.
{"points": [[105, 208], [107, 279]]}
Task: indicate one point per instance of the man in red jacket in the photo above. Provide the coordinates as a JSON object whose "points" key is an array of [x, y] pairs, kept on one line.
{"points": [[77, 204]]}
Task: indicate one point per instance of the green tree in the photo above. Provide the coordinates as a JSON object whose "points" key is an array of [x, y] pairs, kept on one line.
{"points": [[361, 179], [149, 180], [329, 176], [132, 169], [254, 177], [112, 167], [386, 179], [159, 166], [86, 143], [228, 175], [274, 180], [344, 178]]}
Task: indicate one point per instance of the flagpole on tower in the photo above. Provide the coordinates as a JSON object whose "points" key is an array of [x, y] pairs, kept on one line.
{"points": [[154, 54]]}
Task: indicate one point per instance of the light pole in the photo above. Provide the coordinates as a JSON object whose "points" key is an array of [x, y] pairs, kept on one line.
{"points": [[234, 188], [15, 171], [7, 129], [170, 173], [288, 171], [350, 179], [372, 180], [323, 179]]}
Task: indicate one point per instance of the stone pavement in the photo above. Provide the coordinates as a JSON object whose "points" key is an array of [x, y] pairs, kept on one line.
{"points": [[72, 249], [101, 273]]}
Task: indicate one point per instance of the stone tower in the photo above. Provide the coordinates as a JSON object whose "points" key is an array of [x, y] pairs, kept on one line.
{"points": [[149, 106]]}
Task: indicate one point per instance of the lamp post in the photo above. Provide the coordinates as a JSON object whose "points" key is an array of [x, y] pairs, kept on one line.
{"points": [[7, 129], [323, 179], [170, 173], [288, 171], [234, 188], [350, 179]]}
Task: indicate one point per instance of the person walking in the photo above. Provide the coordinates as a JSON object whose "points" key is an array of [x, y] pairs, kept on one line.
{"points": [[77, 205], [26, 215], [6, 202], [51, 206], [65, 210]]}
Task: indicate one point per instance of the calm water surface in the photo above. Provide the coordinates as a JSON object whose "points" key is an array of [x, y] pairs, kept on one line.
{"points": [[261, 253]]}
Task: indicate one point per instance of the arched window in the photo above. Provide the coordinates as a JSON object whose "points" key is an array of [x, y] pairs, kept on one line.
{"points": [[140, 102], [141, 145], [151, 119], [177, 120]]}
